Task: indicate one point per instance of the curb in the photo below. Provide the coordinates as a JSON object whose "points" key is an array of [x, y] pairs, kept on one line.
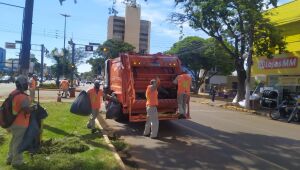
{"points": [[235, 108], [111, 147]]}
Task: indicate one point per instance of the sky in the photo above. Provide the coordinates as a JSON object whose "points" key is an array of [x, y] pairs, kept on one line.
{"points": [[88, 23]]}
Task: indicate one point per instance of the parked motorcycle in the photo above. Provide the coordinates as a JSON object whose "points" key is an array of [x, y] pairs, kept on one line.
{"points": [[284, 109], [295, 115]]}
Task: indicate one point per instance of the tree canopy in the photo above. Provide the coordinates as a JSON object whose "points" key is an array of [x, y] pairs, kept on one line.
{"points": [[239, 23], [197, 53], [111, 48]]}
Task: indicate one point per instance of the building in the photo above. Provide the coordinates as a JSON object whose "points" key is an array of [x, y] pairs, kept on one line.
{"points": [[282, 72], [131, 29], [2, 58]]}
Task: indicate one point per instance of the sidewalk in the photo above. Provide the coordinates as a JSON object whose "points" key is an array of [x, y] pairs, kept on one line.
{"points": [[226, 104]]}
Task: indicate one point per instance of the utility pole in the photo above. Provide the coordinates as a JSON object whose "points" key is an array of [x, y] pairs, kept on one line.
{"points": [[73, 61], [26, 37], [42, 63], [65, 30]]}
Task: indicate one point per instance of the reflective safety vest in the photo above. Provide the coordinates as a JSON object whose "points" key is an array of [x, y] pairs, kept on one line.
{"points": [[151, 96], [64, 84], [184, 84], [32, 84], [21, 101], [95, 98]]}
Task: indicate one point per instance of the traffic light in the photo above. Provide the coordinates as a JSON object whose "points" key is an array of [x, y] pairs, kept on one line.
{"points": [[104, 49]]}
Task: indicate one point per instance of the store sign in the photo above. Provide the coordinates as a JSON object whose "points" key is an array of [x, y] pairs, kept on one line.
{"points": [[276, 63], [289, 81]]}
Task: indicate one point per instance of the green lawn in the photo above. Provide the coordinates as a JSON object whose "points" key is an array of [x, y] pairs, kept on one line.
{"points": [[68, 144]]}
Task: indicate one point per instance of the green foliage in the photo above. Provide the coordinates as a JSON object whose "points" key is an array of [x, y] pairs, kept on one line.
{"points": [[197, 53], [67, 144], [95, 62], [237, 22], [48, 86], [113, 48]]}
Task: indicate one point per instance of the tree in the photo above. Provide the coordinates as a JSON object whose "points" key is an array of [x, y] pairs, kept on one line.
{"points": [[95, 63], [112, 48], [237, 22], [197, 53]]}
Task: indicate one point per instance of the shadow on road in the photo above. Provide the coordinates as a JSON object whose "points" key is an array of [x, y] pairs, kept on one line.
{"points": [[184, 144]]}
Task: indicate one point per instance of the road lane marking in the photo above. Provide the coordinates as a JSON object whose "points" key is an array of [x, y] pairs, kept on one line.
{"points": [[231, 146]]}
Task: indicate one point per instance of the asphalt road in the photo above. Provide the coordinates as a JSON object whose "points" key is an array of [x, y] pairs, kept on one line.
{"points": [[214, 138]]}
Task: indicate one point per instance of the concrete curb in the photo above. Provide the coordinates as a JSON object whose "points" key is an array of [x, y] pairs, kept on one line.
{"points": [[234, 108], [111, 147]]}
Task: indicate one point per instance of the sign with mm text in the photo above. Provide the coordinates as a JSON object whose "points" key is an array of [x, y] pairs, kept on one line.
{"points": [[10, 45], [88, 48], [276, 63]]}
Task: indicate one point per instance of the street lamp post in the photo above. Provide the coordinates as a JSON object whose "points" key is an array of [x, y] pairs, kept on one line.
{"points": [[65, 29]]}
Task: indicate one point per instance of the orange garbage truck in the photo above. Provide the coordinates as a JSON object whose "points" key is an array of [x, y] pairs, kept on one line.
{"points": [[127, 78]]}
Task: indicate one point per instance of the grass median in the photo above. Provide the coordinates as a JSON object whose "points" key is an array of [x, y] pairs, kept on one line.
{"points": [[67, 144]]}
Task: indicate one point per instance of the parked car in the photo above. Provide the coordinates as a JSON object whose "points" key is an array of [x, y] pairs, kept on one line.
{"points": [[6, 79]]}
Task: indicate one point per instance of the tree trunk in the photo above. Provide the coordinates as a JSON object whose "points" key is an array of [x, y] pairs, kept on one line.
{"points": [[249, 64], [241, 73]]}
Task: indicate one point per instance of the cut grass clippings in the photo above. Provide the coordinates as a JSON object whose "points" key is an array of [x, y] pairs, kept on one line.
{"points": [[67, 144]]}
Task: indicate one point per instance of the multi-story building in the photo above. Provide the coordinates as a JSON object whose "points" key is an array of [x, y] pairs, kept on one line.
{"points": [[131, 29], [2, 58]]}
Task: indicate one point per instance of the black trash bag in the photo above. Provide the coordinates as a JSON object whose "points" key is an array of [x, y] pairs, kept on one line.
{"points": [[31, 139], [113, 110], [82, 104]]}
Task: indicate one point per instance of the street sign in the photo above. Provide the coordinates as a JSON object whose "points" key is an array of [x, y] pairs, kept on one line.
{"points": [[94, 44], [88, 48], [10, 45]]}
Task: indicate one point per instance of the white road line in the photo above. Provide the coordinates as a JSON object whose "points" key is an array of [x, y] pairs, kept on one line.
{"points": [[231, 146]]}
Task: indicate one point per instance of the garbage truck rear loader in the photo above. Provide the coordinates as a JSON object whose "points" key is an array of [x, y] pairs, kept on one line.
{"points": [[128, 77]]}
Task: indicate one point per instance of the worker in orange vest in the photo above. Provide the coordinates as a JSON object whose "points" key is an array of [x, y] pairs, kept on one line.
{"points": [[152, 122], [64, 86], [21, 108], [183, 82], [95, 94], [32, 87]]}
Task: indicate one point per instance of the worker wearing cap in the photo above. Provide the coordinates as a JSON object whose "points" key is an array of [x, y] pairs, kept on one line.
{"points": [[183, 82], [152, 122], [32, 86], [21, 108], [64, 86], [95, 94]]}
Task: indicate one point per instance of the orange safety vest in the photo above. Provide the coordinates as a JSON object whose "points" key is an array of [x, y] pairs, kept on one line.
{"points": [[184, 84], [95, 98], [64, 84], [32, 84], [22, 119], [151, 96]]}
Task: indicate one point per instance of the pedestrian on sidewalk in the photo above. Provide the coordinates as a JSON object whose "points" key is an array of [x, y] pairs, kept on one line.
{"points": [[213, 92], [152, 122], [183, 82], [32, 87], [95, 94], [21, 108]]}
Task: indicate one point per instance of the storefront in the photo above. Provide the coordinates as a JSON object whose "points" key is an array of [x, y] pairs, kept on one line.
{"points": [[282, 72]]}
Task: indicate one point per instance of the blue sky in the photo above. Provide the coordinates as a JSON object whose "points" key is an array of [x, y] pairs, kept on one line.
{"points": [[88, 23]]}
